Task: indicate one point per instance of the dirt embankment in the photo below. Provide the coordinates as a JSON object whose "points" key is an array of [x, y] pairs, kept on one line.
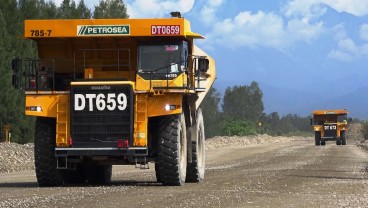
{"points": [[16, 157]]}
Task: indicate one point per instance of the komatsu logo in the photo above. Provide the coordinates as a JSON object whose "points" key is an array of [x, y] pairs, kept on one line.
{"points": [[94, 30]]}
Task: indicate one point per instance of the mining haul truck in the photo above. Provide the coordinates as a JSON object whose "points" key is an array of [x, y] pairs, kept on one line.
{"points": [[115, 92], [330, 125]]}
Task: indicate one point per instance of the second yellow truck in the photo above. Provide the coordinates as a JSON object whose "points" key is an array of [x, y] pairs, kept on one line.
{"points": [[330, 125]]}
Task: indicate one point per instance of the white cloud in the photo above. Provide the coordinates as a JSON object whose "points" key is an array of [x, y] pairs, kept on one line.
{"points": [[309, 9], [147, 8], [354, 7], [315, 8], [248, 30], [299, 21], [208, 12], [347, 49], [364, 32], [90, 3], [262, 30], [303, 30], [340, 55], [157, 8]]}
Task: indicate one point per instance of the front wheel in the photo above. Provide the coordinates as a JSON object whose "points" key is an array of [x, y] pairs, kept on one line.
{"points": [[317, 138], [343, 137], [44, 153], [172, 150]]}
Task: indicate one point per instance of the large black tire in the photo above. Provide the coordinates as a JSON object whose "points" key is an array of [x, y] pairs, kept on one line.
{"points": [[323, 142], [343, 137], [44, 153], [195, 170], [98, 174], [172, 150], [317, 138]]}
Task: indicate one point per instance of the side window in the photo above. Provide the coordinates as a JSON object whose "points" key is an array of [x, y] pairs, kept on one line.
{"points": [[184, 54]]}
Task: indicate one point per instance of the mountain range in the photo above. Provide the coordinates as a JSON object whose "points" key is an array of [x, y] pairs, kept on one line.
{"points": [[349, 93]]}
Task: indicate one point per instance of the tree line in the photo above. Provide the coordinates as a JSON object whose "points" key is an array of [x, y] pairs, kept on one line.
{"points": [[241, 112]]}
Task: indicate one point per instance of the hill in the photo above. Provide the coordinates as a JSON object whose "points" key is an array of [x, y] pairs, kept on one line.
{"points": [[285, 101]]}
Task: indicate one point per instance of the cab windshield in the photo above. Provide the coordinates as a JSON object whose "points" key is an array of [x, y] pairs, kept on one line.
{"points": [[166, 59]]}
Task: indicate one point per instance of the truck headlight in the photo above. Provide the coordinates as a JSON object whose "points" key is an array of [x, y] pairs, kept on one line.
{"points": [[35, 108], [170, 107]]}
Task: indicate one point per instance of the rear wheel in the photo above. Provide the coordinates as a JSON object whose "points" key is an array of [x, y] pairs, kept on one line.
{"points": [[343, 137], [323, 142], [172, 151], [99, 174], [44, 153], [76, 176], [195, 170], [317, 138], [338, 141]]}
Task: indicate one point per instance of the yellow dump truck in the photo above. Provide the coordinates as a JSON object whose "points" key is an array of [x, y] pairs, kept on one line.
{"points": [[330, 125], [115, 92]]}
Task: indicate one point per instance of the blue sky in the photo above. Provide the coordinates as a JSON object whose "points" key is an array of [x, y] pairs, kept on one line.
{"points": [[293, 44]]}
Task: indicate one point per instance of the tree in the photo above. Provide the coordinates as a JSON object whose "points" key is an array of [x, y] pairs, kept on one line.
{"points": [[11, 102], [30, 8], [211, 114], [83, 11], [113, 9], [243, 103], [256, 99], [272, 124], [48, 10], [67, 10]]}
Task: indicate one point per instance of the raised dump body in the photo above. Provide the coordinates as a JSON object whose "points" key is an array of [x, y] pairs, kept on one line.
{"points": [[330, 125], [115, 91]]}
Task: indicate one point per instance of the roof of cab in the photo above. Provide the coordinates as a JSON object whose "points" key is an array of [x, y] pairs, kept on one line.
{"points": [[330, 112], [81, 28]]}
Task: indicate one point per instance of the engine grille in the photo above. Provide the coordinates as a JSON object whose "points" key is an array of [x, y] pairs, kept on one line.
{"points": [[330, 130], [96, 121]]}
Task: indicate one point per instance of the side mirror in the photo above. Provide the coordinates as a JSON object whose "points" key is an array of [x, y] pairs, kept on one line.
{"points": [[203, 64]]}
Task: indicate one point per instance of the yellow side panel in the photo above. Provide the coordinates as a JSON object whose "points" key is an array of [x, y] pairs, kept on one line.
{"points": [[48, 104], [156, 104]]}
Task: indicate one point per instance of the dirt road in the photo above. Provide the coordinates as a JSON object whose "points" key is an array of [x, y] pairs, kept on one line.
{"points": [[287, 174]]}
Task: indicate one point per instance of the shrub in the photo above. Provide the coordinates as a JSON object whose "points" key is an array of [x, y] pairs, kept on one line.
{"points": [[238, 128]]}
